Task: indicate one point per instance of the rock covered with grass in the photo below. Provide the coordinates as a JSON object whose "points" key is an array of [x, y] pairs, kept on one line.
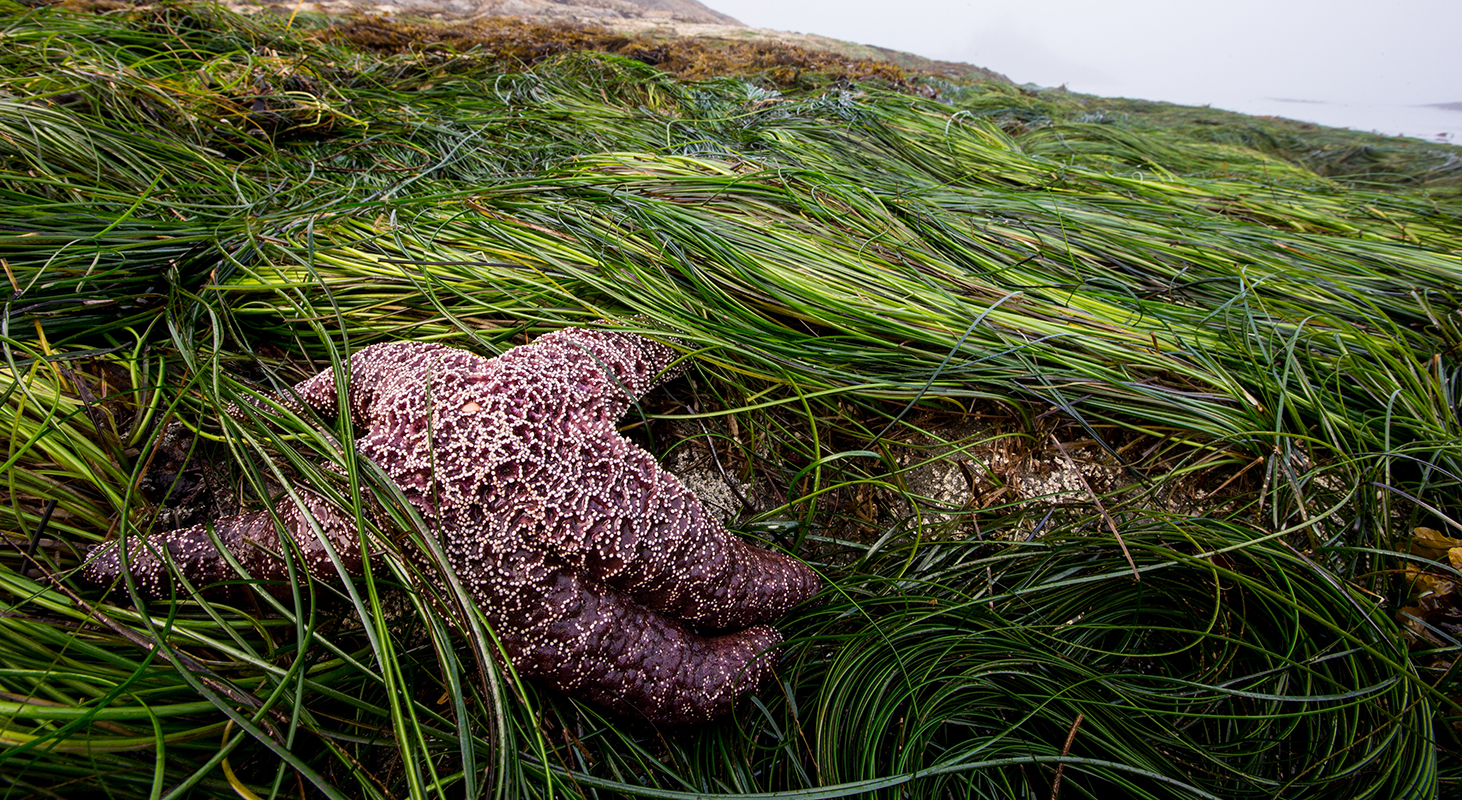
{"points": [[595, 566]]}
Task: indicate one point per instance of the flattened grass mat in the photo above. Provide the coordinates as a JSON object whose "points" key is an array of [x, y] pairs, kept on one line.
{"points": [[1240, 377]]}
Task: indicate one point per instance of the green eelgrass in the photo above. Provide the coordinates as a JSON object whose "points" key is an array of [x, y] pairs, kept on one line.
{"points": [[1236, 666], [190, 197]]}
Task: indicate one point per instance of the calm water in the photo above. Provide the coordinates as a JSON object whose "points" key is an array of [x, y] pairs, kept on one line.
{"points": [[1422, 122], [1427, 122]]}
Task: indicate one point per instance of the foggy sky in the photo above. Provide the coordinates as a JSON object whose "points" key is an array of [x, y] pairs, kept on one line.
{"points": [[1336, 51]]}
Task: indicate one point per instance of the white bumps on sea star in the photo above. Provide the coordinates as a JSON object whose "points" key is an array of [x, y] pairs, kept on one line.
{"points": [[591, 562]]}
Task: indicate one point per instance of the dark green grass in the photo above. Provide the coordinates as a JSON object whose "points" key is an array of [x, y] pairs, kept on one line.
{"points": [[196, 205]]}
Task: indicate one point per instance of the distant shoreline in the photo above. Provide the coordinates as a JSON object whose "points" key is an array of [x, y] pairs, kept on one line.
{"points": [[1446, 106]]}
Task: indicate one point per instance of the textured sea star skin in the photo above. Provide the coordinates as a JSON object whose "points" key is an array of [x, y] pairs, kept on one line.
{"points": [[591, 561]]}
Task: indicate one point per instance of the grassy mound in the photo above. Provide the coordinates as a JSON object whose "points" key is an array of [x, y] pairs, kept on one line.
{"points": [[1130, 454]]}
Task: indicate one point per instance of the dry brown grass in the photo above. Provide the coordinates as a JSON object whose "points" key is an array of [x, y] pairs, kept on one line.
{"points": [[526, 42]]}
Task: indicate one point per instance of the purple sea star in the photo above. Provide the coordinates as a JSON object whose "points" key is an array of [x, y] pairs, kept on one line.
{"points": [[591, 562]]}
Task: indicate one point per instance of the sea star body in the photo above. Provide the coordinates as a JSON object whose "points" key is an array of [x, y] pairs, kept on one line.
{"points": [[591, 562]]}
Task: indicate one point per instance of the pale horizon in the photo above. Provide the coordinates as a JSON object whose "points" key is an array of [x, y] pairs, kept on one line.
{"points": [[1274, 57]]}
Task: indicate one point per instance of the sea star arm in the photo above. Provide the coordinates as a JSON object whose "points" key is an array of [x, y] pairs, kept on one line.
{"points": [[597, 643], [594, 371], [641, 662], [610, 369], [647, 535], [252, 538], [378, 366], [601, 503]]}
